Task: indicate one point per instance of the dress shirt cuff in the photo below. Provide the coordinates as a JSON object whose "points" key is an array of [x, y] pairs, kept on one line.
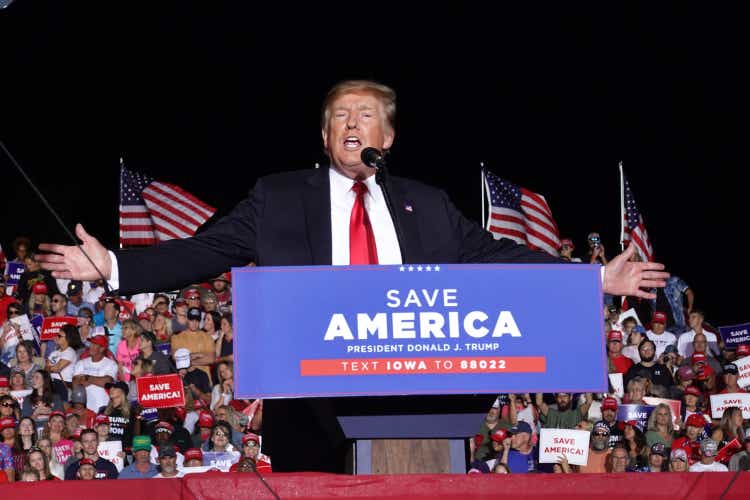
{"points": [[114, 272]]}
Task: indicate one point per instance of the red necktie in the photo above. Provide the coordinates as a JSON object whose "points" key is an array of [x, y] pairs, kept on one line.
{"points": [[362, 249]]}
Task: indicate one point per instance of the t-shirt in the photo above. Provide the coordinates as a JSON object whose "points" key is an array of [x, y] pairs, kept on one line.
{"points": [[96, 396], [162, 364], [104, 470], [131, 472], [521, 463], [179, 474], [556, 419], [596, 462], [6, 457], [685, 343], [712, 467], [662, 341], [658, 374], [126, 356], [198, 378], [69, 354], [120, 428], [621, 363], [199, 341]]}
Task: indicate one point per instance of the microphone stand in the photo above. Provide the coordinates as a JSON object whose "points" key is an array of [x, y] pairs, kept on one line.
{"points": [[381, 179]]}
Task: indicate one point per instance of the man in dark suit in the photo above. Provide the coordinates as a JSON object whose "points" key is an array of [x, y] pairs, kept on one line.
{"points": [[321, 217]]}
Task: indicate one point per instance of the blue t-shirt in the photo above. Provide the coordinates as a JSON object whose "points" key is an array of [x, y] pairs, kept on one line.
{"points": [[521, 463], [131, 472]]}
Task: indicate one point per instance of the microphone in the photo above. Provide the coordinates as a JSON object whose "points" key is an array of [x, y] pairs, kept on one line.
{"points": [[373, 158]]}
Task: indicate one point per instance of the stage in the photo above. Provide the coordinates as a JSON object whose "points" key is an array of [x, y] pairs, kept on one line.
{"points": [[226, 486]]}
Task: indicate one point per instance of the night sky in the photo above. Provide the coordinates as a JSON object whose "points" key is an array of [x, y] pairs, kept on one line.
{"points": [[212, 95]]}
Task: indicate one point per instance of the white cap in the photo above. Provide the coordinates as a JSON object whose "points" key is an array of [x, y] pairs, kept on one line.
{"points": [[182, 358]]}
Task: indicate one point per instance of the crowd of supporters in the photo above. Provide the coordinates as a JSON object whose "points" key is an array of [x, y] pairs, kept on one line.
{"points": [[64, 402], [675, 356], [67, 403]]}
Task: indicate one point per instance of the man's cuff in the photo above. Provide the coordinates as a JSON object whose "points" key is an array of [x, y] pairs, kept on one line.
{"points": [[603, 268], [114, 272]]}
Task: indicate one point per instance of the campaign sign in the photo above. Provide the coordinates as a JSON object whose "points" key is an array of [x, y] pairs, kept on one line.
{"points": [[161, 391], [639, 413], [727, 451], [221, 460], [111, 450], [51, 326], [417, 329], [24, 326], [618, 387], [574, 444], [63, 450], [165, 349], [743, 370], [720, 402], [14, 272], [675, 405], [127, 309], [149, 414], [735, 335]]}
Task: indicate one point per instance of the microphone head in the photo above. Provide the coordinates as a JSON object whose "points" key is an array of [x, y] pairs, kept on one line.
{"points": [[372, 157]]}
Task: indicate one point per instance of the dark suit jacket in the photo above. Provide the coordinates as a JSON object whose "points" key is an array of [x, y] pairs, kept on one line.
{"points": [[286, 220]]}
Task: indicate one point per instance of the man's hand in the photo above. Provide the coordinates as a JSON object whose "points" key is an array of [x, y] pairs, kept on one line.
{"points": [[623, 277], [68, 262]]}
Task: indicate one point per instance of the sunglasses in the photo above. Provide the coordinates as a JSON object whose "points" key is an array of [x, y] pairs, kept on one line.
{"points": [[601, 434], [220, 434], [7, 404], [252, 444], [56, 300]]}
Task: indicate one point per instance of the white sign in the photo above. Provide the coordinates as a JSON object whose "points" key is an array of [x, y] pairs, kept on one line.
{"points": [[199, 470], [630, 313], [574, 444], [617, 385], [112, 451], [27, 331], [20, 396], [743, 368], [720, 402]]}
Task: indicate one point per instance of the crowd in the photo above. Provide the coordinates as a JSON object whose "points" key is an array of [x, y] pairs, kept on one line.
{"points": [[69, 407], [677, 357], [67, 403]]}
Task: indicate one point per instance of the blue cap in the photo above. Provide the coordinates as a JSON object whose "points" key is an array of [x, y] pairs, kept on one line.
{"points": [[521, 426], [639, 329]]}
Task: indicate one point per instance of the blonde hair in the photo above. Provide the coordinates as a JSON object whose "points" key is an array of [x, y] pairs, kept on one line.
{"points": [[385, 94]]}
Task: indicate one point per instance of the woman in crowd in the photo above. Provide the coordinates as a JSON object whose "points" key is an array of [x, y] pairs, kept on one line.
{"points": [[141, 367], [17, 380], [73, 423], [85, 326], [121, 418], [212, 324], [635, 444], [251, 457], [660, 426], [39, 462], [42, 401], [9, 407], [26, 360], [636, 390], [223, 392], [38, 301], [26, 434], [10, 333], [160, 362], [55, 429], [162, 329], [61, 362], [637, 335], [224, 345], [128, 349], [55, 467], [730, 427], [220, 438]]}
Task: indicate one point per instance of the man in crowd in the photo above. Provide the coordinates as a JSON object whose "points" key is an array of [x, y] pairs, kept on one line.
{"points": [[620, 363], [221, 288], [685, 342], [619, 458], [598, 449], [490, 424], [59, 305], [564, 416], [112, 322], [199, 343], [566, 250], [522, 457], [694, 425], [179, 320], [251, 458], [33, 274], [194, 380], [141, 468], [658, 334], [356, 115], [95, 372], [168, 463], [193, 457], [678, 461], [90, 444], [657, 373], [701, 357], [657, 457], [609, 418], [731, 375], [671, 298], [708, 448], [75, 298]]}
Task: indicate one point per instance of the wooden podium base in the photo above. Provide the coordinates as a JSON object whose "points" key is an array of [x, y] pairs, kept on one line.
{"points": [[411, 456]]}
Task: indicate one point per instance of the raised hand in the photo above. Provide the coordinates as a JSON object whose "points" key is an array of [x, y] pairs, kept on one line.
{"points": [[623, 277], [68, 262]]}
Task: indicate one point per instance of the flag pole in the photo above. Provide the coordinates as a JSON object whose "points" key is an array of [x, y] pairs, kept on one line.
{"points": [[122, 166], [481, 170], [622, 209]]}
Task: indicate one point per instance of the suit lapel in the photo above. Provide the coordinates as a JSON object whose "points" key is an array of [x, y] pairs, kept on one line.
{"points": [[406, 214], [317, 206]]}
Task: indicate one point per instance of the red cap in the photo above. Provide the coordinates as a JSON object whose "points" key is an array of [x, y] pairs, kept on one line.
{"points": [[568, 242], [198, 404], [193, 454], [698, 357], [238, 404], [4, 382], [743, 350], [614, 335], [695, 420], [659, 317], [100, 340], [192, 293], [39, 288], [144, 315], [101, 419], [86, 461], [7, 423], [57, 413], [478, 439], [499, 435], [205, 419], [164, 425], [609, 404], [76, 435], [250, 437], [704, 372], [180, 412], [692, 390]]}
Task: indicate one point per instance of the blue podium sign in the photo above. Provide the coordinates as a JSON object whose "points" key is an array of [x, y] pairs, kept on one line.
{"points": [[418, 329]]}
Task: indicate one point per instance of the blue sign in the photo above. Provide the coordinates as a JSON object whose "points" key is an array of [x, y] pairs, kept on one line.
{"points": [[639, 413], [14, 270], [418, 329], [735, 335], [165, 349]]}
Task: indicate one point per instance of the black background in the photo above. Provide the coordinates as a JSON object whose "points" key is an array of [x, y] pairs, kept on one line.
{"points": [[211, 95]]}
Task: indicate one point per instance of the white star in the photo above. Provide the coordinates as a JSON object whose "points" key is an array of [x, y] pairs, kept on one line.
{"points": [[436, 268], [428, 269], [419, 268], [411, 268], [401, 269]]}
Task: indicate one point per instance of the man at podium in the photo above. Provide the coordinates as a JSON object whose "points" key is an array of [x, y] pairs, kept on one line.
{"points": [[327, 216]]}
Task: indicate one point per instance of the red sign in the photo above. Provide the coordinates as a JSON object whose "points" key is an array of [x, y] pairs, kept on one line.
{"points": [[727, 451], [51, 326], [127, 309], [161, 391]]}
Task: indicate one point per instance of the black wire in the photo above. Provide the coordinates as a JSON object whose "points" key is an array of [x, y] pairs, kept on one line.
{"points": [[52, 210], [262, 480], [726, 490]]}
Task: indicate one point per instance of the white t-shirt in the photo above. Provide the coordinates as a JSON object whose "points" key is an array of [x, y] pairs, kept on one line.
{"points": [[179, 474], [661, 341], [685, 343], [96, 396], [712, 467], [69, 354]]}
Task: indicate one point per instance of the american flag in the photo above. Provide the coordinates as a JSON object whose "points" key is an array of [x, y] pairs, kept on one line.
{"points": [[152, 211], [633, 229], [521, 215]]}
